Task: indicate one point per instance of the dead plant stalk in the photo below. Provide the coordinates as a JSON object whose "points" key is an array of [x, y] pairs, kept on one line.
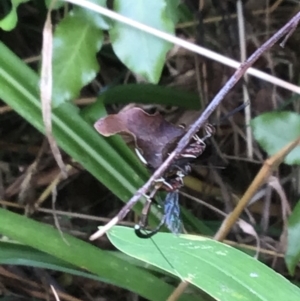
{"points": [[262, 176]]}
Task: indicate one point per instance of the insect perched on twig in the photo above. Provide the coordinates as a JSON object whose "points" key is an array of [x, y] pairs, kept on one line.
{"points": [[171, 182], [155, 138]]}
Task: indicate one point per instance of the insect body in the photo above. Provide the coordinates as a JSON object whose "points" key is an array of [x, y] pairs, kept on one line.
{"points": [[171, 218], [156, 137], [171, 182]]}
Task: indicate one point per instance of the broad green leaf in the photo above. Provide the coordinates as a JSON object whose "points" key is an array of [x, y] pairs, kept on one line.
{"points": [[17, 254], [77, 39], [150, 94], [275, 130], [83, 255], [9, 22], [292, 255], [223, 272], [172, 10], [141, 52], [194, 223], [100, 156], [12, 253]]}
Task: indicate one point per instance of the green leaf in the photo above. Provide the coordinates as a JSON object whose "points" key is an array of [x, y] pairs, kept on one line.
{"points": [[292, 255], [141, 52], [78, 138], [77, 39], [172, 10], [13, 253], [9, 22], [94, 152], [150, 94], [220, 270], [195, 223], [18, 254], [275, 130], [83, 255], [109, 160]]}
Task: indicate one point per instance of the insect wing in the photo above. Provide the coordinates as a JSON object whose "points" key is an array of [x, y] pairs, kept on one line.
{"points": [[172, 212]]}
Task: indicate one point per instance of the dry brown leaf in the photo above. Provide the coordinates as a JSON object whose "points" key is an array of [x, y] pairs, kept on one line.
{"points": [[154, 136]]}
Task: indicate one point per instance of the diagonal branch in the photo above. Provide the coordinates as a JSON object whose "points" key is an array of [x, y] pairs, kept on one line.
{"points": [[290, 26]]}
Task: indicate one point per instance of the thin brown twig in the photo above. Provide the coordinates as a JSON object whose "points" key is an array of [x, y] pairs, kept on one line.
{"points": [[269, 165], [178, 291], [200, 122]]}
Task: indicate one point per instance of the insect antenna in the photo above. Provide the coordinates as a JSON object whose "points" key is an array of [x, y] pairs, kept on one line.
{"points": [[165, 258], [171, 219], [231, 113]]}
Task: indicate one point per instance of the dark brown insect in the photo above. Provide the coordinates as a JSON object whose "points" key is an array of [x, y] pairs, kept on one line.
{"points": [[171, 182], [154, 139]]}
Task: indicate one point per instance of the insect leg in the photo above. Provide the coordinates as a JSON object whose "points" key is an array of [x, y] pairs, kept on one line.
{"points": [[162, 182], [140, 156], [140, 228], [209, 130]]}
